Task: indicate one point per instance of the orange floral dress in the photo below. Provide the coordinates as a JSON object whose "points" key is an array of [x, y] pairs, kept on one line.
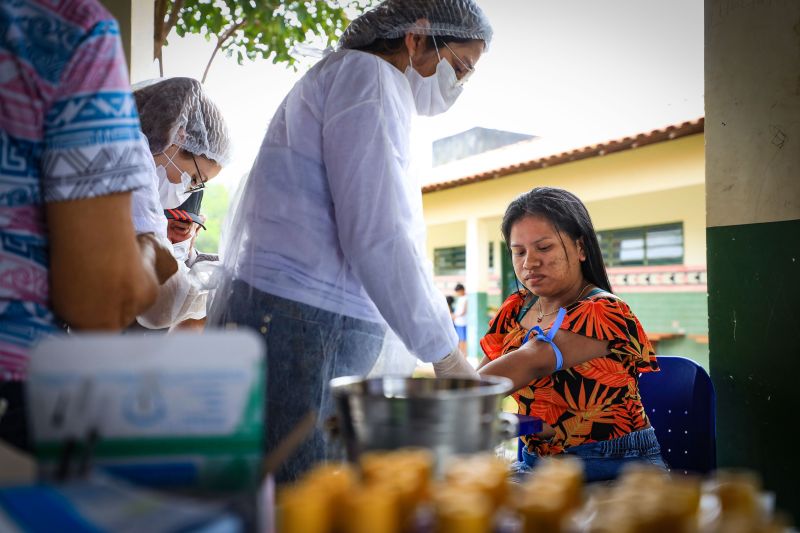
{"points": [[590, 402]]}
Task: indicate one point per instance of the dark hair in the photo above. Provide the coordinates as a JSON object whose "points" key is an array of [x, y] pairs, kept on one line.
{"points": [[567, 214], [458, 287], [395, 45]]}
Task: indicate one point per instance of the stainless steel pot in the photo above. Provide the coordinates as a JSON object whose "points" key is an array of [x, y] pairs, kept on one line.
{"points": [[446, 415]]}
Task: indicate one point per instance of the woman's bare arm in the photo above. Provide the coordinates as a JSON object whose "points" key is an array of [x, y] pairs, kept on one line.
{"points": [[536, 359], [101, 274]]}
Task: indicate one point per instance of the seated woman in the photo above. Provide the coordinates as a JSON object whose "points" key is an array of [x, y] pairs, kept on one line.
{"points": [[572, 349]]}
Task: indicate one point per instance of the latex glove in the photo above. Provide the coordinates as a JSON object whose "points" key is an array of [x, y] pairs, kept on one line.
{"points": [[455, 365], [181, 297]]}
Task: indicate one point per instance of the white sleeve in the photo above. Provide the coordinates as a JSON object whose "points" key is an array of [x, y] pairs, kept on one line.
{"points": [[365, 152], [146, 211]]}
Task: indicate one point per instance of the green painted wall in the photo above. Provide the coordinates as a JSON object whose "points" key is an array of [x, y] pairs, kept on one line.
{"points": [[674, 312], [686, 347], [753, 273]]}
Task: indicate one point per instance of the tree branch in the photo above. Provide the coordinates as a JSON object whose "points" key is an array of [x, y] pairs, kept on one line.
{"points": [[173, 18], [220, 43]]}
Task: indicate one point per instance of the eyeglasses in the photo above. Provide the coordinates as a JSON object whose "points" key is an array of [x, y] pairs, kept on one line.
{"points": [[470, 70], [194, 187]]}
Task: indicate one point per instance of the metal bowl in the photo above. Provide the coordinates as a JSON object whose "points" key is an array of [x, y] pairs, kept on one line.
{"points": [[449, 416]]}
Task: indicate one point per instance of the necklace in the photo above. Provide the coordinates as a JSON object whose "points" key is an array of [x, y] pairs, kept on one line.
{"points": [[541, 314]]}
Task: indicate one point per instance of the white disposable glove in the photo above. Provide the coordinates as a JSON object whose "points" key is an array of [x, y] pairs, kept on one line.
{"points": [[455, 365]]}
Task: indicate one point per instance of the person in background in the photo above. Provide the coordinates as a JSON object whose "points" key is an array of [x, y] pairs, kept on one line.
{"points": [[330, 241], [183, 225], [189, 142], [187, 135], [460, 317], [71, 156], [572, 349]]}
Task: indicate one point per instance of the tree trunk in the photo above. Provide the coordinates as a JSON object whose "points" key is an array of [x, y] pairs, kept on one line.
{"points": [[162, 25]]}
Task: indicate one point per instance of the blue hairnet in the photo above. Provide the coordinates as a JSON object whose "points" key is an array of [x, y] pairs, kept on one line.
{"points": [[395, 18], [178, 111]]}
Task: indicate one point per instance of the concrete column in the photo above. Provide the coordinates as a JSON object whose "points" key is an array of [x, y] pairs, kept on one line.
{"points": [[136, 26], [477, 282], [752, 91]]}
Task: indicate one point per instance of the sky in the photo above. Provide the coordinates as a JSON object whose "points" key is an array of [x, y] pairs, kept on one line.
{"points": [[583, 69]]}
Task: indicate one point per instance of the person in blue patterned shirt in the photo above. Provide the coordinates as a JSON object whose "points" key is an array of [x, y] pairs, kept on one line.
{"points": [[70, 155]]}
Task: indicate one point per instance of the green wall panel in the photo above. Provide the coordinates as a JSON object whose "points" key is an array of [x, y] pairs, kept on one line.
{"points": [[670, 312], [477, 324], [685, 347], [685, 313], [753, 273]]}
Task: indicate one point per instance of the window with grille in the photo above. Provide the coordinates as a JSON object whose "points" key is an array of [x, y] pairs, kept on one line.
{"points": [[453, 261], [648, 245], [450, 261]]}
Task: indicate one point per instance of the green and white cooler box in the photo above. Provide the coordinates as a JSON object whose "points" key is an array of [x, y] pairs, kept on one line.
{"points": [[175, 411]]}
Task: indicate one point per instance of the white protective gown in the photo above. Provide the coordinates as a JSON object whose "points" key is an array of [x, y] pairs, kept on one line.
{"points": [[329, 215]]}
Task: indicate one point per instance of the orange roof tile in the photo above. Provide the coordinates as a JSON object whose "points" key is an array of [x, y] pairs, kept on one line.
{"points": [[655, 136]]}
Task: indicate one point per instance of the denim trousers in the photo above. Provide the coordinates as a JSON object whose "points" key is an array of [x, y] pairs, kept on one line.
{"points": [[604, 460], [13, 416], [306, 348]]}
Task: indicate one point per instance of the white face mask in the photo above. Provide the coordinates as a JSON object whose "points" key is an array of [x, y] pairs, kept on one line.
{"points": [[436, 93], [172, 194], [181, 250]]}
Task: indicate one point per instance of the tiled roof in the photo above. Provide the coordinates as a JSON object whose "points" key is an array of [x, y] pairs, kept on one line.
{"points": [[655, 136]]}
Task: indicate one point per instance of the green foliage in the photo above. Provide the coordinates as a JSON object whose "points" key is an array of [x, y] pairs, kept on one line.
{"points": [[255, 29], [215, 207]]}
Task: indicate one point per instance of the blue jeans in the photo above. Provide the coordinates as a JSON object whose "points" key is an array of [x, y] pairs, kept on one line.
{"points": [[13, 415], [603, 461], [306, 348]]}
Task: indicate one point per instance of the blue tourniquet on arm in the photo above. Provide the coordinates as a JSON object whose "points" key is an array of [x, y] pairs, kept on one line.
{"points": [[540, 335]]}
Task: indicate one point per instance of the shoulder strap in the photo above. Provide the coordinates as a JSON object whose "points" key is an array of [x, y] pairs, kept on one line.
{"points": [[525, 308]]}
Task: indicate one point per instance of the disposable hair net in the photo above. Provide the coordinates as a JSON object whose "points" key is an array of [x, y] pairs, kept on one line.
{"points": [[395, 18], [178, 111]]}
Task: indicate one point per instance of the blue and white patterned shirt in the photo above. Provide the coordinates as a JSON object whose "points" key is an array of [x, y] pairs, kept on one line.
{"points": [[68, 130]]}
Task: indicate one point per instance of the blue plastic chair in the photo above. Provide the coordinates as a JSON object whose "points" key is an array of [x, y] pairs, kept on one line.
{"points": [[681, 405], [528, 425]]}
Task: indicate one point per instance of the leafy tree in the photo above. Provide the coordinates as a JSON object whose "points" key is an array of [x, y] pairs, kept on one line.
{"points": [[253, 28], [215, 207]]}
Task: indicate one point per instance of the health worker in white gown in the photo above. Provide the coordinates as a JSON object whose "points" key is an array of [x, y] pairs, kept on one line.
{"points": [[327, 246]]}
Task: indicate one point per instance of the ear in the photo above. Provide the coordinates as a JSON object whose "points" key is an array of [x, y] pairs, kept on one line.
{"points": [[415, 41], [581, 249]]}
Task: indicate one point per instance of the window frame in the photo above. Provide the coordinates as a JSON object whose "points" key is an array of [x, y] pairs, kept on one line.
{"points": [[611, 243]]}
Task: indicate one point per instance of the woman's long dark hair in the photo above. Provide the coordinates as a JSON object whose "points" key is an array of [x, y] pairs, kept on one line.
{"points": [[567, 214]]}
